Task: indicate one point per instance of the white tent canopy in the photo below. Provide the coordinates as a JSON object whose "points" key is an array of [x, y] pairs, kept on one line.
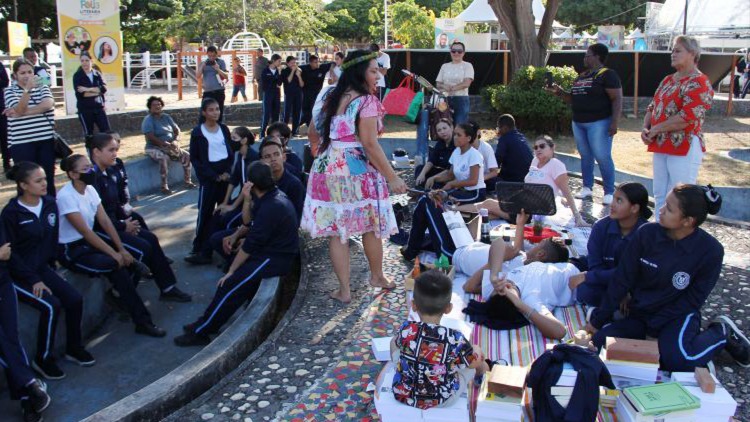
{"points": [[704, 17], [479, 11], [635, 34]]}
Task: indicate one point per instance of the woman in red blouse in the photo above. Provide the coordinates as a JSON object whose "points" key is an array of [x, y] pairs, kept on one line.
{"points": [[672, 127]]}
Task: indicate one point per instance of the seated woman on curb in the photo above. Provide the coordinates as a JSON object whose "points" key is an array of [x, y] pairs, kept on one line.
{"points": [[440, 154], [545, 169], [609, 237], [137, 239], [464, 180], [229, 212], [31, 225], [670, 268], [81, 250]]}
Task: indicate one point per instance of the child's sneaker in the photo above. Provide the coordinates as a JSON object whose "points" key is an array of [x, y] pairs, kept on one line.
{"points": [[738, 346]]}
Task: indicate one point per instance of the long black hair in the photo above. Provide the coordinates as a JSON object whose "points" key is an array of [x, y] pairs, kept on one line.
{"points": [[697, 201], [354, 78], [637, 195], [21, 172]]}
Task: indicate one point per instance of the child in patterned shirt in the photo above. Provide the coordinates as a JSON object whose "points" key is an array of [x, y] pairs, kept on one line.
{"points": [[429, 355]]}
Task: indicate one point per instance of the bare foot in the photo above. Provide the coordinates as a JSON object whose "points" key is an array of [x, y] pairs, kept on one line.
{"points": [[382, 282], [336, 294]]}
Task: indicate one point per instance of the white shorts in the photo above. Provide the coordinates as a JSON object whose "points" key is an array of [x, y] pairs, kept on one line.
{"points": [[471, 258]]}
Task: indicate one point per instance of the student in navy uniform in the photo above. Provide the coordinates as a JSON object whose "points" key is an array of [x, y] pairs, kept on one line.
{"points": [[81, 250], [124, 191], [293, 162], [141, 243], [512, 152], [609, 237], [291, 77], [90, 89], [4, 82], [313, 75], [229, 212], [270, 81], [226, 241], [440, 154], [31, 224], [211, 156], [669, 268], [267, 251], [22, 384]]}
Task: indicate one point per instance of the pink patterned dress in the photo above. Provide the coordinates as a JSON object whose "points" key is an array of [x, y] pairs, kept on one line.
{"points": [[346, 195]]}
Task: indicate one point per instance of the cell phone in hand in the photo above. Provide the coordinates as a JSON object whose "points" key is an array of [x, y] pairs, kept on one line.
{"points": [[548, 79], [210, 62]]}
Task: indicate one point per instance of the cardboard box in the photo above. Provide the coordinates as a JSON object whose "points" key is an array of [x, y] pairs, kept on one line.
{"points": [[507, 380]]}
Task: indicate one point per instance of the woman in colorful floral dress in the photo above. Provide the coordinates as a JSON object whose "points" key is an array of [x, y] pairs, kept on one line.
{"points": [[672, 127], [348, 189]]}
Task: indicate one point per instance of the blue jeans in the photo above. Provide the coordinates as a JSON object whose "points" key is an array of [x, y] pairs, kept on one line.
{"points": [[460, 106], [594, 143]]}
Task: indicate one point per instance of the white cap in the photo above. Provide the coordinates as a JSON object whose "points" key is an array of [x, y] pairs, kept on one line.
{"points": [[483, 212]]}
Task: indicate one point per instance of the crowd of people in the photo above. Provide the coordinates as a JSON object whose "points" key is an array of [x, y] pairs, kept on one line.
{"points": [[639, 278]]}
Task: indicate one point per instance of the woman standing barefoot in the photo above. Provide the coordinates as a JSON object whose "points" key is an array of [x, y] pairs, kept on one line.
{"points": [[349, 181]]}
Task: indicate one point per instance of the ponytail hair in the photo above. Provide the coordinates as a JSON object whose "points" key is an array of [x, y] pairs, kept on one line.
{"points": [[697, 201], [476, 127], [637, 195], [470, 130], [21, 172], [69, 163]]}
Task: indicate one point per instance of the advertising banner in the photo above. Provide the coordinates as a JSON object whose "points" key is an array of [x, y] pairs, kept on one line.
{"points": [[447, 31], [92, 26], [18, 38], [612, 36]]}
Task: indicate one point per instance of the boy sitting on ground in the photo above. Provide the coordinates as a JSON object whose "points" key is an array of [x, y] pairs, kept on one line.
{"points": [[429, 355]]}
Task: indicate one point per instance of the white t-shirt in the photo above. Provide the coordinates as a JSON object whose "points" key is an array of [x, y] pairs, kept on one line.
{"points": [[542, 286], [455, 73], [217, 149], [472, 257], [384, 61], [70, 201], [490, 162], [462, 164], [547, 174], [37, 209]]}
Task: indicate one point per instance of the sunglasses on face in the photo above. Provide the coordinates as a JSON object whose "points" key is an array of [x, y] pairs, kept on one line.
{"points": [[457, 51], [540, 146]]}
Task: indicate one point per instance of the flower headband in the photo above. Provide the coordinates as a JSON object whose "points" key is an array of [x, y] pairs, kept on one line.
{"points": [[358, 60]]}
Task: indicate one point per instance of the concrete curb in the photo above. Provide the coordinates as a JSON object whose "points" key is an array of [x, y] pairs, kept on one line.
{"points": [[270, 341], [206, 368]]}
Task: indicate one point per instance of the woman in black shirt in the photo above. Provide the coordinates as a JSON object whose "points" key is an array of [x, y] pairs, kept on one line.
{"points": [[440, 154]]}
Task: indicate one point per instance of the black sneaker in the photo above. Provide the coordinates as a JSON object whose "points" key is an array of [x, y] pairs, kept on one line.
{"points": [[190, 328], [48, 368], [29, 414], [80, 356], [175, 295], [115, 303], [38, 400], [192, 339], [738, 346], [408, 254], [150, 330], [198, 259]]}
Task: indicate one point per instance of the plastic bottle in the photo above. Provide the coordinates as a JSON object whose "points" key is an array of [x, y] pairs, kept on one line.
{"points": [[416, 271], [485, 226], [442, 264]]}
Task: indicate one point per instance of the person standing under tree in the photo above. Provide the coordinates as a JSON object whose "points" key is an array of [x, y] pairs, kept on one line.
{"points": [[213, 74], [454, 79], [238, 80], [270, 82], [291, 77], [260, 64], [313, 75], [90, 89]]}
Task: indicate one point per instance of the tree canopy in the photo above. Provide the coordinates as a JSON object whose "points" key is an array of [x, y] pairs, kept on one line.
{"points": [[413, 25], [582, 13], [517, 20]]}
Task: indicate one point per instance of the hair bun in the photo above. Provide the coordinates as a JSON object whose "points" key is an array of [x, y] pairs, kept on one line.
{"points": [[12, 173], [713, 199]]}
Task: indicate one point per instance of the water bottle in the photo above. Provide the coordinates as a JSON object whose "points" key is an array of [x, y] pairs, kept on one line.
{"points": [[485, 225]]}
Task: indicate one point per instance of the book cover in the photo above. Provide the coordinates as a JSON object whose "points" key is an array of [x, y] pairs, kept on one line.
{"points": [[508, 380], [661, 398], [625, 349]]}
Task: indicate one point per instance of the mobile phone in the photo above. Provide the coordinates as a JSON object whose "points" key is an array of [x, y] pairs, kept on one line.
{"points": [[210, 62], [548, 79]]}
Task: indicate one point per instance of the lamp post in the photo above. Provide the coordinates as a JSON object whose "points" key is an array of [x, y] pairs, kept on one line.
{"points": [[684, 20], [244, 18], [385, 23]]}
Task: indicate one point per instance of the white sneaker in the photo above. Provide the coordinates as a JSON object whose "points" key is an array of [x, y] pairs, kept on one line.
{"points": [[584, 193], [607, 199]]}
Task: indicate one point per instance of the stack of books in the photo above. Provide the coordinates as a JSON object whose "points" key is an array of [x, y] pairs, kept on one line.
{"points": [[501, 395], [607, 397], [668, 402], [631, 362], [716, 403], [391, 410]]}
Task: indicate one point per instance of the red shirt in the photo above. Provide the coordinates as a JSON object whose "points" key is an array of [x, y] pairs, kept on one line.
{"points": [[238, 76], [689, 97]]}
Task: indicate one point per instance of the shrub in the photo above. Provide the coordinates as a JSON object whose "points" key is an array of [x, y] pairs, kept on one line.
{"points": [[533, 108]]}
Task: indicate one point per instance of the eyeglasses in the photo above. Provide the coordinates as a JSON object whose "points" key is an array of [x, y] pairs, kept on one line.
{"points": [[540, 146], [457, 51]]}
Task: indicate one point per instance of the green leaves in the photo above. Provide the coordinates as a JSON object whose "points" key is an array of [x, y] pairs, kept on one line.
{"points": [[413, 25], [533, 108], [581, 13]]}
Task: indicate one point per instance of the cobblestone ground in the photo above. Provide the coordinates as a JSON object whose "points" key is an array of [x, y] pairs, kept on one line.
{"points": [[320, 367]]}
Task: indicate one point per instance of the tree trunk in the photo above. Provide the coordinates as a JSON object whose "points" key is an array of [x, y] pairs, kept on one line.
{"points": [[527, 47]]}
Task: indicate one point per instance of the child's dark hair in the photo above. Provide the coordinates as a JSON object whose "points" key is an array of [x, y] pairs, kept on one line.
{"points": [[270, 140], [476, 127], [432, 292], [637, 195], [153, 99], [21, 172], [284, 132], [99, 141], [469, 129], [69, 163], [207, 102], [244, 132], [697, 201], [556, 250], [506, 120], [290, 58], [260, 174]]}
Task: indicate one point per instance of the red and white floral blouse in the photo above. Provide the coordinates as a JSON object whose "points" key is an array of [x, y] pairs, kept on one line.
{"points": [[689, 97]]}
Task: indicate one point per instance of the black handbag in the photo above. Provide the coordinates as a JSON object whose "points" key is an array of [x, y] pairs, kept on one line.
{"points": [[62, 149]]}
